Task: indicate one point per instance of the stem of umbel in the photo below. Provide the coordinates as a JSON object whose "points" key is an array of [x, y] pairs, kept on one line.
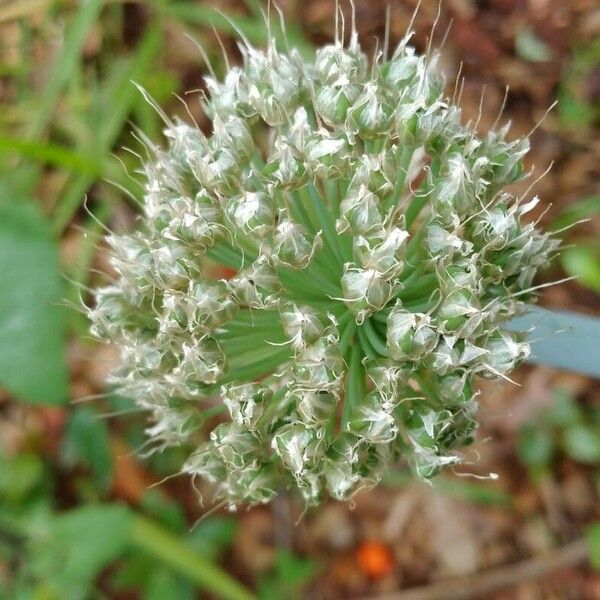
{"points": [[374, 256]]}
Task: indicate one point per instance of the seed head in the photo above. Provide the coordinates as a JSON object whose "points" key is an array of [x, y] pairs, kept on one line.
{"points": [[376, 260]]}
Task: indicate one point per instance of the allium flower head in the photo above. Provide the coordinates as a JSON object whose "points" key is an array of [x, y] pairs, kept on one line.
{"points": [[375, 256]]}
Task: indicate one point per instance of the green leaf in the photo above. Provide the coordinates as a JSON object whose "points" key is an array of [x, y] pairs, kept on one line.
{"points": [[562, 339], [163, 583], [592, 537], [32, 326], [212, 536], [52, 154], [171, 551], [583, 262], [87, 442], [535, 448], [19, 476], [77, 545], [582, 444], [65, 66], [116, 102], [565, 411], [288, 575], [582, 209]]}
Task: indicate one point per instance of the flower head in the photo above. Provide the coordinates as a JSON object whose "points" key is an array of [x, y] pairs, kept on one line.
{"points": [[376, 259]]}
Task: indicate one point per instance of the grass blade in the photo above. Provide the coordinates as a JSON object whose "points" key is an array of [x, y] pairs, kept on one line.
{"points": [[160, 543], [117, 100], [65, 65]]}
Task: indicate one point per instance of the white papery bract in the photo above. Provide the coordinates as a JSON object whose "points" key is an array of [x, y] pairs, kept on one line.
{"points": [[372, 260]]}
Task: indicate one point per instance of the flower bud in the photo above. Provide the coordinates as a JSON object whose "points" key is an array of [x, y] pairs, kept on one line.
{"points": [[370, 114], [360, 213], [233, 133], [365, 291], [373, 419], [245, 402], [410, 336], [207, 463], [253, 213], [319, 367], [235, 447], [315, 408], [258, 286], [505, 352], [202, 360], [383, 253], [302, 325], [292, 247], [341, 466], [297, 447]]}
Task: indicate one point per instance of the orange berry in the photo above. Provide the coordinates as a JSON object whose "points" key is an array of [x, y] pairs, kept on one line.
{"points": [[375, 559]]}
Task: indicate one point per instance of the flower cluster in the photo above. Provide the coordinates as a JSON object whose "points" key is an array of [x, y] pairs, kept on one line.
{"points": [[373, 258]]}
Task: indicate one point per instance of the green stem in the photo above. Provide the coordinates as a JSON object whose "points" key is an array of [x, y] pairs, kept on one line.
{"points": [[300, 289], [346, 337], [248, 367], [247, 317], [354, 386], [226, 256], [414, 208], [365, 344], [170, 550], [406, 155], [327, 223], [251, 342], [374, 340], [426, 284]]}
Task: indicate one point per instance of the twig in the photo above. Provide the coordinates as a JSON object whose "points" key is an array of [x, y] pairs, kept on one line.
{"points": [[482, 584]]}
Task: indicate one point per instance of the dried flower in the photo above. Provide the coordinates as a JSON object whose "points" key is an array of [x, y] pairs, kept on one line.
{"points": [[376, 260]]}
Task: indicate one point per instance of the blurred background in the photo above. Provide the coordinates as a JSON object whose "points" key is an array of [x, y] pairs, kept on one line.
{"points": [[84, 513]]}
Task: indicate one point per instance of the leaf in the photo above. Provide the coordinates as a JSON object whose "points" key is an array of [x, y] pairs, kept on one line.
{"points": [[212, 536], [562, 339], [117, 100], [582, 209], [535, 448], [565, 411], [77, 545], [582, 444], [19, 476], [592, 537], [163, 583], [173, 552], [87, 442], [583, 262], [65, 66], [32, 326], [288, 575]]}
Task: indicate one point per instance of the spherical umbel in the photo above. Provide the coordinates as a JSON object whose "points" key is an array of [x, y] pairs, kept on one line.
{"points": [[375, 260]]}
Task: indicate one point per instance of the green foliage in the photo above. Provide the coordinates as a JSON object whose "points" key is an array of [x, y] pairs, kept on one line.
{"points": [[19, 477], [32, 326], [288, 576], [565, 428], [86, 441], [536, 448], [581, 259], [575, 110], [74, 547], [593, 543]]}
